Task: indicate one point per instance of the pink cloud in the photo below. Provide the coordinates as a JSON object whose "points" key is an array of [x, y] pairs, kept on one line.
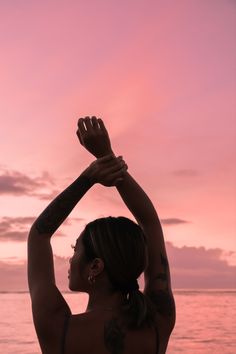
{"points": [[173, 221], [191, 267], [19, 184], [16, 229], [198, 267]]}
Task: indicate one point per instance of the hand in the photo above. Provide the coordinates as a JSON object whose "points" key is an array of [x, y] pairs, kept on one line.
{"points": [[95, 137], [108, 170]]}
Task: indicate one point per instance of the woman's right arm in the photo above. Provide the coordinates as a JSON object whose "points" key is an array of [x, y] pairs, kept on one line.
{"points": [[157, 274], [95, 139]]}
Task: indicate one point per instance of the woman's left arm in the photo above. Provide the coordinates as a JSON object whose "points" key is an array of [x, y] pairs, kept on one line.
{"points": [[106, 170], [40, 264], [49, 307]]}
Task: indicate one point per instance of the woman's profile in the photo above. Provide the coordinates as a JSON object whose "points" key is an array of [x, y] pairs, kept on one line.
{"points": [[109, 256]]}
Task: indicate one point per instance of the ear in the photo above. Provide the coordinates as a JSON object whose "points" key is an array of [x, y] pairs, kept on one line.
{"points": [[97, 266]]}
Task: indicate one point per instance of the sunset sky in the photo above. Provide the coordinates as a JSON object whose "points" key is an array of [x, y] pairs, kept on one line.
{"points": [[162, 76]]}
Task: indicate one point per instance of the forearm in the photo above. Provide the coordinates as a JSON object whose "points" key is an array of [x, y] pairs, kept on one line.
{"points": [[58, 210], [145, 214], [137, 200]]}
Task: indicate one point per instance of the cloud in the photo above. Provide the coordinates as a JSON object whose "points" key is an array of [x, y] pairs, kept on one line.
{"points": [[17, 221], [198, 267], [173, 221], [17, 228], [18, 184], [191, 267], [186, 173]]}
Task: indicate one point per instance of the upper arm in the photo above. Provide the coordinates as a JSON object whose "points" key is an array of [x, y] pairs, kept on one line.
{"points": [[157, 274], [48, 304], [40, 267]]}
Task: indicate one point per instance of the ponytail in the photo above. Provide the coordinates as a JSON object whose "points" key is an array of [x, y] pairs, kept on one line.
{"points": [[138, 310]]}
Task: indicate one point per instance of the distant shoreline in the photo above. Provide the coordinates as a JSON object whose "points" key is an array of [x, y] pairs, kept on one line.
{"points": [[177, 290]]}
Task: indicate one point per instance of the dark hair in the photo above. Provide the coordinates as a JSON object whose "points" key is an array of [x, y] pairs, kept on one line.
{"points": [[122, 246]]}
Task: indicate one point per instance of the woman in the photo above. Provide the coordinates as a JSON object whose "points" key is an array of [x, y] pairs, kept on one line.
{"points": [[109, 255]]}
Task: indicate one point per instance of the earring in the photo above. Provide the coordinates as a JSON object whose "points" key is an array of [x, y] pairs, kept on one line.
{"points": [[91, 279]]}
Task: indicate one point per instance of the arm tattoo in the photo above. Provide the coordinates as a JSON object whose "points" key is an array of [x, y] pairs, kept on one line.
{"points": [[58, 210], [114, 337], [163, 299], [164, 275]]}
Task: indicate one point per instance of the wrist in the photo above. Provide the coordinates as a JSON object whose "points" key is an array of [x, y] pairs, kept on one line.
{"points": [[88, 175], [105, 153]]}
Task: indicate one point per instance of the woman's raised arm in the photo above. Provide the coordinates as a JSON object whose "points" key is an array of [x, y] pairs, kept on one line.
{"points": [[157, 274]]}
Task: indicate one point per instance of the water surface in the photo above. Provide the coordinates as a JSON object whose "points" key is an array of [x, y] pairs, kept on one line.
{"points": [[206, 322]]}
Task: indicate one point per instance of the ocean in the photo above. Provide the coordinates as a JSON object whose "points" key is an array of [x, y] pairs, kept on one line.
{"points": [[205, 323]]}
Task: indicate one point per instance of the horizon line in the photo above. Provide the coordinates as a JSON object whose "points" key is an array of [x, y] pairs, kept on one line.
{"points": [[174, 289]]}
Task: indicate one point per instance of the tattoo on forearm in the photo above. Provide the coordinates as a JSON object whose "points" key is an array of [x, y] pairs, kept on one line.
{"points": [[114, 337], [52, 217], [57, 211]]}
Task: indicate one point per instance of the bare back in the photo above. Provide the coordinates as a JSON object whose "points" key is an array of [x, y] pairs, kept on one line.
{"points": [[105, 332]]}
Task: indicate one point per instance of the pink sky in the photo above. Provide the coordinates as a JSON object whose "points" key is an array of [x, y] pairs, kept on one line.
{"points": [[162, 76]]}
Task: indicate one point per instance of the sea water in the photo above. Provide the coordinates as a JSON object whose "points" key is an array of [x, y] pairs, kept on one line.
{"points": [[205, 322]]}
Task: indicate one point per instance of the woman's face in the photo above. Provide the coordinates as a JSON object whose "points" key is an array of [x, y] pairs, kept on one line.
{"points": [[77, 271]]}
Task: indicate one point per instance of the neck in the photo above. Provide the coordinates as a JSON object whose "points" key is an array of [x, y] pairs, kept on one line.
{"points": [[102, 301]]}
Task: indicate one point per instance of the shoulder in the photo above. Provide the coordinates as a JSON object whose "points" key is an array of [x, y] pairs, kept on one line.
{"points": [[64, 331]]}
